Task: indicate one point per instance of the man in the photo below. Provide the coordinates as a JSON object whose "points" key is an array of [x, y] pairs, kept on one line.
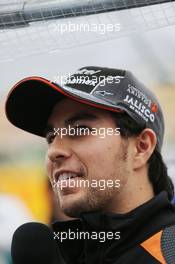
{"points": [[105, 132]]}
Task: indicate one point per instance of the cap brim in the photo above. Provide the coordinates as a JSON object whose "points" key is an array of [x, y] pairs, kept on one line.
{"points": [[30, 102]]}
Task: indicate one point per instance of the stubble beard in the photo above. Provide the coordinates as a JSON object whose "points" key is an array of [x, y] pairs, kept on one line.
{"points": [[94, 199]]}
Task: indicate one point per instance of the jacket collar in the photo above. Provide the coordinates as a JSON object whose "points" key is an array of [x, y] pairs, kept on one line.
{"points": [[134, 227]]}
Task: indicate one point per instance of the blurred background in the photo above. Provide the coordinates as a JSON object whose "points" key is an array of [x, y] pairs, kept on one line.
{"points": [[143, 43]]}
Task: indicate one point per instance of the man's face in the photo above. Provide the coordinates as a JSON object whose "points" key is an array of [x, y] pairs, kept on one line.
{"points": [[93, 158]]}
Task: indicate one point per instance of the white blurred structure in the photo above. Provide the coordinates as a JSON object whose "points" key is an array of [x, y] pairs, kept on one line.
{"points": [[13, 213]]}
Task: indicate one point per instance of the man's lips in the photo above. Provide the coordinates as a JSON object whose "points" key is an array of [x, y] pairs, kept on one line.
{"points": [[67, 181], [65, 175]]}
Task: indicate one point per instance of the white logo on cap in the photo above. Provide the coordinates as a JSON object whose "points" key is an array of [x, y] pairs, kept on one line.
{"points": [[139, 108], [103, 93], [81, 80], [139, 94], [86, 71]]}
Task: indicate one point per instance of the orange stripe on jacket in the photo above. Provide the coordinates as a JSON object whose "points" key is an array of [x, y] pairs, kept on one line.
{"points": [[153, 246]]}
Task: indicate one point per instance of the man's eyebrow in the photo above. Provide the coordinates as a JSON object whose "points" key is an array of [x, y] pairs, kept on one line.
{"points": [[81, 116], [76, 117]]}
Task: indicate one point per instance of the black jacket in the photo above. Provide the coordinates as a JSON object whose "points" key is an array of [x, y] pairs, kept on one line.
{"points": [[147, 236]]}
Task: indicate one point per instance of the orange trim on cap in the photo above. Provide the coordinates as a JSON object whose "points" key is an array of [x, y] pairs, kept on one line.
{"points": [[52, 85], [153, 246]]}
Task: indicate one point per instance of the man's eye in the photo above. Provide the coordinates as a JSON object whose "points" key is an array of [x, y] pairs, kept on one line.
{"points": [[50, 137], [81, 130]]}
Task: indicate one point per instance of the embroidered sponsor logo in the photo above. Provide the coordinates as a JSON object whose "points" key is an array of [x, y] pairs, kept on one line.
{"points": [[82, 80], [139, 108], [154, 108], [103, 93], [86, 71], [139, 94], [93, 80]]}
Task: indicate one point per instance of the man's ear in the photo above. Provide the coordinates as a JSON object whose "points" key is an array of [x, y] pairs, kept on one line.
{"points": [[144, 147]]}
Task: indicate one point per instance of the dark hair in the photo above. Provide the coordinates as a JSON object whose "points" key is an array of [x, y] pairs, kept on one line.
{"points": [[157, 169]]}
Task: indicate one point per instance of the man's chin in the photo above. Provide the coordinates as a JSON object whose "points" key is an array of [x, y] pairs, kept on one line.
{"points": [[73, 205]]}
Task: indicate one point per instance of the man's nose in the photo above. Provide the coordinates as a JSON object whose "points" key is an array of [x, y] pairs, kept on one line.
{"points": [[59, 150]]}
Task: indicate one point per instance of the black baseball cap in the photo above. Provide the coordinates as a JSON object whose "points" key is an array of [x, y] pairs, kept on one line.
{"points": [[30, 101]]}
